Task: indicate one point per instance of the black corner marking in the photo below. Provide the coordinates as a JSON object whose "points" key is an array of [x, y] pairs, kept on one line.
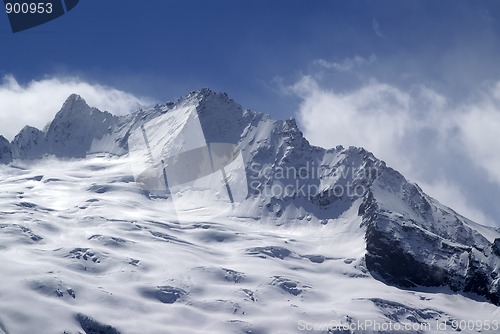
{"points": [[70, 4], [27, 14]]}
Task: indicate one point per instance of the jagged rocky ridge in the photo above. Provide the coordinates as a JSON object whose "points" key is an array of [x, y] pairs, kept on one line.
{"points": [[5, 151], [411, 239]]}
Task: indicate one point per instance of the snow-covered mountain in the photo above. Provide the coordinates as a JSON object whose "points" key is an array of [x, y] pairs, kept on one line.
{"points": [[70, 134], [5, 151], [332, 239]]}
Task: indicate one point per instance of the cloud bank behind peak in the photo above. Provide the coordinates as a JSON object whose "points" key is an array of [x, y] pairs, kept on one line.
{"points": [[36, 102]]}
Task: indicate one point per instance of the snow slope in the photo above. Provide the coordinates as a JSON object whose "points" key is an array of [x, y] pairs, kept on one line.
{"points": [[80, 238], [323, 237]]}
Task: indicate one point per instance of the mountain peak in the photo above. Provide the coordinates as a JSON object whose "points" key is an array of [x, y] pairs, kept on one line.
{"points": [[76, 126], [75, 97], [75, 103], [204, 96], [222, 119]]}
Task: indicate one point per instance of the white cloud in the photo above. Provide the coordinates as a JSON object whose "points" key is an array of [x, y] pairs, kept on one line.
{"points": [[376, 28], [347, 64], [479, 128], [37, 102], [355, 118], [449, 194], [419, 132]]}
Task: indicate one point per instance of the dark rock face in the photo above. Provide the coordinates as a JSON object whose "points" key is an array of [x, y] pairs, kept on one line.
{"points": [[426, 244], [398, 312], [496, 247], [386, 257], [393, 261], [5, 151], [271, 251], [164, 294], [479, 280], [90, 326]]}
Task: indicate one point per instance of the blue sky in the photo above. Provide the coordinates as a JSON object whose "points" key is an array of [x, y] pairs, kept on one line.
{"points": [[164, 48], [416, 82]]}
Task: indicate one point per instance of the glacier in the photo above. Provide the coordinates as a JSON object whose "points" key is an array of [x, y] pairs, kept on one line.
{"points": [[324, 240]]}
